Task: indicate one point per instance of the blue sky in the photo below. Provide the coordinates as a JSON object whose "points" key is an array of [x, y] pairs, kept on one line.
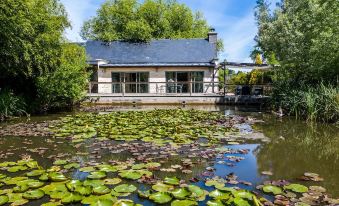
{"points": [[232, 19]]}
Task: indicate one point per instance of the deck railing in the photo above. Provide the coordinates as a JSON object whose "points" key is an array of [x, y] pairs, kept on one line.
{"points": [[176, 88]]}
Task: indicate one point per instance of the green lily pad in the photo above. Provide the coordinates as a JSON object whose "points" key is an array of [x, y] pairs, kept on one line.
{"points": [[83, 190], [3, 199], [240, 202], [72, 165], [20, 188], [60, 162], [35, 173], [130, 174], [296, 188], [102, 203], [184, 203], [71, 198], [94, 199], [215, 203], [101, 190], [35, 184], [144, 194], [160, 197], [214, 183], [33, 194], [71, 185], [139, 166], [171, 181], [180, 193], [113, 181], [97, 175], [2, 176], [52, 204], [125, 188], [93, 183], [217, 194], [87, 169], [14, 180], [57, 177], [196, 191], [153, 165], [243, 194], [43, 177], [272, 189], [161, 187], [107, 168], [124, 203], [17, 168]]}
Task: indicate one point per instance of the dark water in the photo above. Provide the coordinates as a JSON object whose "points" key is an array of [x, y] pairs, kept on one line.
{"points": [[294, 147]]}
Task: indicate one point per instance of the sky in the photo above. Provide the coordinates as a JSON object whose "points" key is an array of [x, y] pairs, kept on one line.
{"points": [[232, 19]]}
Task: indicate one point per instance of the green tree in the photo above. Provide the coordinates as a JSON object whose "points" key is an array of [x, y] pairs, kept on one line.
{"points": [[67, 85], [153, 19]]}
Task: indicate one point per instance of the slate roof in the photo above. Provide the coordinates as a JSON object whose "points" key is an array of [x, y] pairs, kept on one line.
{"points": [[165, 52]]}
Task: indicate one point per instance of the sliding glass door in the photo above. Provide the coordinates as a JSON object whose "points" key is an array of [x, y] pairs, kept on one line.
{"points": [[184, 82], [136, 82]]}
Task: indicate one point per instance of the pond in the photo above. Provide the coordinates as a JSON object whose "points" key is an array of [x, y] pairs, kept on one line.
{"points": [[225, 151]]}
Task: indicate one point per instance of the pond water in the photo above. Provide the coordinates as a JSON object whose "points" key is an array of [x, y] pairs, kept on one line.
{"points": [[290, 149]]}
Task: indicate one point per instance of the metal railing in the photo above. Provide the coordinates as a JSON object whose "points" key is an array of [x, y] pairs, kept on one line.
{"points": [[176, 88]]}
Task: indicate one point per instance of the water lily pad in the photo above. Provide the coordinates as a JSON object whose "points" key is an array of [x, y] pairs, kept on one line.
{"points": [[52, 204], [17, 168], [180, 193], [160, 197], [33, 194], [161, 187], [240, 202], [2, 176], [35, 173], [93, 183], [3, 199], [184, 203], [171, 181], [130, 174], [144, 194], [94, 199], [217, 194], [125, 188], [107, 168], [124, 203], [296, 188], [72, 165], [43, 177], [71, 185], [71, 198], [215, 203], [102, 203], [139, 166], [214, 183], [83, 190], [60, 162], [113, 181], [272, 189], [87, 169], [97, 175], [196, 191], [57, 177], [101, 190], [35, 184], [20, 188], [153, 165], [243, 194]]}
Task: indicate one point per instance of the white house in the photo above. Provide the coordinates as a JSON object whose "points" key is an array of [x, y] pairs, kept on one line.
{"points": [[158, 67]]}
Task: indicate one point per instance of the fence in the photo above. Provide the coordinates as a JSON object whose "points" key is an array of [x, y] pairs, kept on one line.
{"points": [[175, 88]]}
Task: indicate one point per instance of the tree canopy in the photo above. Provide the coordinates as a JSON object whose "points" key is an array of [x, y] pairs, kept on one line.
{"points": [[303, 36], [153, 19]]}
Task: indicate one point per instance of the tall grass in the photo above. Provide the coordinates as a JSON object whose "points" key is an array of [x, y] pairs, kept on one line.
{"points": [[11, 105], [319, 103]]}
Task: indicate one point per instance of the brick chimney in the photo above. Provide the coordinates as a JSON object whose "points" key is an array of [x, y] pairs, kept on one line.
{"points": [[213, 39]]}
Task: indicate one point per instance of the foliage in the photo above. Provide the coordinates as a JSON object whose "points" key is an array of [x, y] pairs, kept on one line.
{"points": [[320, 103], [258, 59], [153, 19], [10, 105], [33, 58], [302, 37], [66, 86]]}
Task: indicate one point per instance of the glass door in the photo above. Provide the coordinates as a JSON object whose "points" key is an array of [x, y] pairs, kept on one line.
{"points": [[116, 82], [197, 82], [137, 82]]}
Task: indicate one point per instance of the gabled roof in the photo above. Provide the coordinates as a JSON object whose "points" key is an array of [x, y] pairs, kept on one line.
{"points": [[165, 52]]}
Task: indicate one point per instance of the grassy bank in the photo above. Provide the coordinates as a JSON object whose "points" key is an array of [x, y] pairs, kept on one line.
{"points": [[11, 105], [313, 103]]}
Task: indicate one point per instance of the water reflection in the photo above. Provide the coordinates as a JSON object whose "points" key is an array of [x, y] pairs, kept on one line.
{"points": [[297, 147]]}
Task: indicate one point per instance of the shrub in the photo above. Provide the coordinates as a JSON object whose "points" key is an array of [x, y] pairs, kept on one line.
{"points": [[319, 103], [11, 105]]}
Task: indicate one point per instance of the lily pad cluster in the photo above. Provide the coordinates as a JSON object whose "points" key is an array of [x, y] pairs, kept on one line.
{"points": [[159, 126]]}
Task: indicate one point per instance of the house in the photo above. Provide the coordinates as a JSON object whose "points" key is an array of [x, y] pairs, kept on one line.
{"points": [[166, 66]]}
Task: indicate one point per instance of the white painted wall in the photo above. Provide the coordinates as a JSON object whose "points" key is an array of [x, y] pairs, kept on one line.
{"points": [[155, 75]]}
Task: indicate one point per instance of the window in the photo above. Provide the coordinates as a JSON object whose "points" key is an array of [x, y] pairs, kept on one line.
{"points": [[183, 82], [136, 82]]}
